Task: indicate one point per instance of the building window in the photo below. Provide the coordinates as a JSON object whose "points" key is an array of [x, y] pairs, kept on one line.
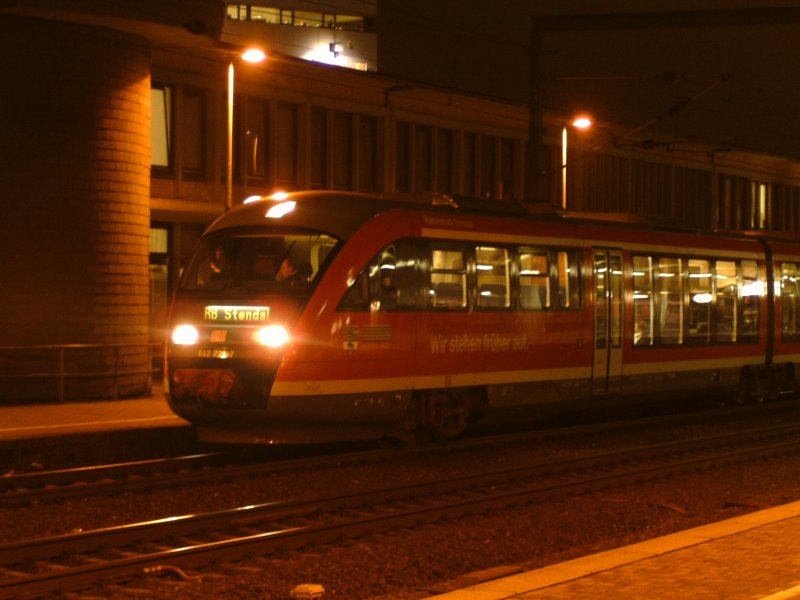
{"points": [[487, 166], [319, 148], [422, 158], [342, 150], [469, 164], [193, 133], [256, 139], [402, 156], [265, 15], [161, 126], [444, 161], [286, 146], [368, 153]]}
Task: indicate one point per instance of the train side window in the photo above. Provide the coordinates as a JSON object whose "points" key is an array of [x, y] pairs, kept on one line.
{"points": [[790, 302], [492, 277], [569, 289], [700, 301], [642, 300], [448, 288], [669, 300], [752, 290], [726, 301], [389, 282], [534, 279]]}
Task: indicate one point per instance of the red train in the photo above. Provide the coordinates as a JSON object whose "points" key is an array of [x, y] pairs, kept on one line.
{"points": [[330, 316]]}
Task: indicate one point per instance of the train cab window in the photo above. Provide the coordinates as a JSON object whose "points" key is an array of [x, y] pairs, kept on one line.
{"points": [[534, 279], [790, 302], [700, 301], [492, 276], [257, 261], [669, 300], [448, 287], [726, 301], [643, 301], [388, 282], [752, 290], [569, 289]]}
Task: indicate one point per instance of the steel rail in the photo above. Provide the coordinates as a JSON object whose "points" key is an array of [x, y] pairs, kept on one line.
{"points": [[456, 497], [98, 480]]}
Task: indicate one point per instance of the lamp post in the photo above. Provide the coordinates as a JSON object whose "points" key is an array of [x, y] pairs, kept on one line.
{"points": [[578, 123], [253, 56]]}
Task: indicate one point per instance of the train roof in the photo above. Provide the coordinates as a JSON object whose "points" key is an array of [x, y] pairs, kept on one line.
{"points": [[342, 213]]}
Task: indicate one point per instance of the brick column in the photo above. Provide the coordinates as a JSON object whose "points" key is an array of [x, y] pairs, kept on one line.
{"points": [[74, 196]]}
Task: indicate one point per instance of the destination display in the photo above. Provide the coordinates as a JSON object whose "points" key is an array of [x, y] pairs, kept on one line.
{"points": [[236, 314]]}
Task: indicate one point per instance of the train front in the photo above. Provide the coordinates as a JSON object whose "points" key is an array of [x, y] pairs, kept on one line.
{"points": [[233, 318]]}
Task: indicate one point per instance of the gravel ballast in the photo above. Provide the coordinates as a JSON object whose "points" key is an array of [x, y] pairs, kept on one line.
{"points": [[417, 563]]}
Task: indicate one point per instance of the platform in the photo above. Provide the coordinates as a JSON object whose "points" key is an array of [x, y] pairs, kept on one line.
{"points": [[44, 420], [57, 435], [750, 557]]}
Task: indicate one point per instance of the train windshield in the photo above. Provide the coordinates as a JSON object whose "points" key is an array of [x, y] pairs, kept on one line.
{"points": [[258, 261]]}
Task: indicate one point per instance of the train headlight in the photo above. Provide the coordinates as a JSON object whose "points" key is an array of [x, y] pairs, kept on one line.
{"points": [[185, 335], [272, 336]]}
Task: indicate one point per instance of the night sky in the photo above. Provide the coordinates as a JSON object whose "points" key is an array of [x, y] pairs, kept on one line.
{"points": [[731, 85]]}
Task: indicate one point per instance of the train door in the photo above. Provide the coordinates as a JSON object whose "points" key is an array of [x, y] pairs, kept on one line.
{"points": [[608, 304]]}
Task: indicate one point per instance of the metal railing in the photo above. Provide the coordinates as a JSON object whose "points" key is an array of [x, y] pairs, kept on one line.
{"points": [[16, 356]]}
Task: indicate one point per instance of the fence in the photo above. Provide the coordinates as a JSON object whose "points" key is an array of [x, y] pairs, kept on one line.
{"points": [[61, 364]]}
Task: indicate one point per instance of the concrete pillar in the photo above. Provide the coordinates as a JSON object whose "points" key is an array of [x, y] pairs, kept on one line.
{"points": [[74, 197]]}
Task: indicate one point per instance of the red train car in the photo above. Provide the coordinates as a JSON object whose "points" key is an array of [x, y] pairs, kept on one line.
{"points": [[335, 315]]}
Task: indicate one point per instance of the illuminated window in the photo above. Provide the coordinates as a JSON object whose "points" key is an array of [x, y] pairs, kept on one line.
{"points": [[491, 265], [237, 12], [790, 302], [265, 15], [534, 279], [669, 300], [726, 309], [569, 289], [752, 291], [643, 301], [448, 287], [700, 300], [304, 18]]}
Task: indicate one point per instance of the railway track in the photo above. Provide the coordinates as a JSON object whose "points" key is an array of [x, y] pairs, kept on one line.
{"points": [[183, 542], [208, 468]]}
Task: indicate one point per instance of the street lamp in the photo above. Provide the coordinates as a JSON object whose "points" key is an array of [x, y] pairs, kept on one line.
{"points": [[250, 55], [578, 123]]}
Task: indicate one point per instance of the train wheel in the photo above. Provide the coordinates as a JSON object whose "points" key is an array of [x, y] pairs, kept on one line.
{"points": [[749, 389]]}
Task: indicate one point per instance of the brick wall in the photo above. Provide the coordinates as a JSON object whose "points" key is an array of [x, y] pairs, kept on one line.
{"points": [[74, 190]]}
